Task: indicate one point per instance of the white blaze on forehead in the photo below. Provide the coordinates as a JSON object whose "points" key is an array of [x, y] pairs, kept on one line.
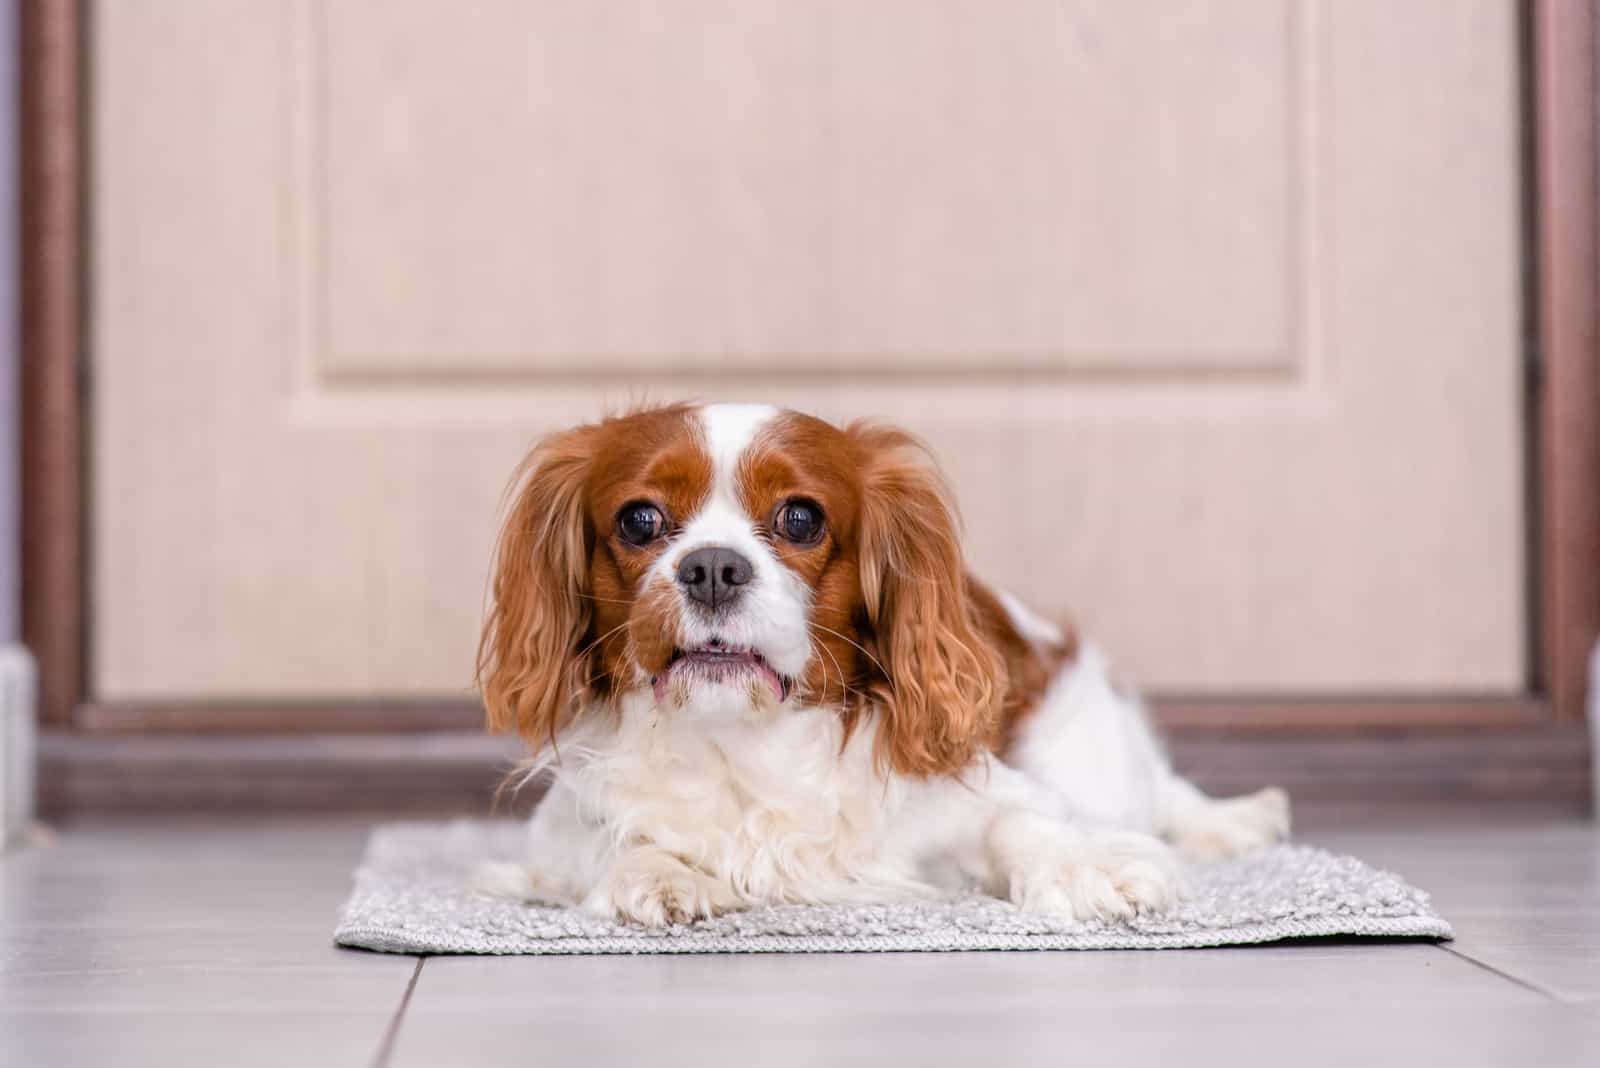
{"points": [[770, 614], [729, 429]]}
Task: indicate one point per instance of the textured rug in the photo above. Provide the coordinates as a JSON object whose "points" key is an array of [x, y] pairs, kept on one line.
{"points": [[412, 896]]}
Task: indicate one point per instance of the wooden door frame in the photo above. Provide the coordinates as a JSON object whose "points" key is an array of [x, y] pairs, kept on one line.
{"points": [[1566, 391], [1564, 419], [53, 136]]}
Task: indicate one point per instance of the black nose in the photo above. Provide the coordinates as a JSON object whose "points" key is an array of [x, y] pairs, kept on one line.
{"points": [[714, 576]]}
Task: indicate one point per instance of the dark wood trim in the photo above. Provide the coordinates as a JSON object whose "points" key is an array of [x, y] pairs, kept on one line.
{"points": [[1334, 715], [1566, 294], [278, 717], [1249, 714], [1548, 763], [459, 772], [52, 294], [373, 774]]}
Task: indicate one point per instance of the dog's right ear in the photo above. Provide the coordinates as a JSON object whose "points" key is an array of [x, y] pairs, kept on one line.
{"points": [[529, 669]]}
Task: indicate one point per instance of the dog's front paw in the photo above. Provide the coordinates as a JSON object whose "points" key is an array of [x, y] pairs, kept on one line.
{"points": [[656, 889], [1084, 875]]}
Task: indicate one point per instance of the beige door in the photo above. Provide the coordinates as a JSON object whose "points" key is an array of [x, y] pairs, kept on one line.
{"points": [[1211, 308]]}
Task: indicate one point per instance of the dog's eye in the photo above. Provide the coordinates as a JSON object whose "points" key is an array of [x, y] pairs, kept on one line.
{"points": [[799, 521], [640, 523]]}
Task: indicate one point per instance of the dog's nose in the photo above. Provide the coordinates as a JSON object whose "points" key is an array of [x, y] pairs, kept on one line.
{"points": [[714, 576]]}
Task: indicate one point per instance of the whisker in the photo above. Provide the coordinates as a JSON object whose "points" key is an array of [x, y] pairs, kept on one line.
{"points": [[858, 645], [843, 683], [605, 600], [601, 639], [813, 645]]}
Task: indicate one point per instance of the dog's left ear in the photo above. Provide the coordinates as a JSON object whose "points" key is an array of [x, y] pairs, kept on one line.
{"points": [[945, 680]]}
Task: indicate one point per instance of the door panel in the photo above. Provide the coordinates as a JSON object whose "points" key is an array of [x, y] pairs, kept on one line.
{"points": [[1212, 310], [740, 186]]}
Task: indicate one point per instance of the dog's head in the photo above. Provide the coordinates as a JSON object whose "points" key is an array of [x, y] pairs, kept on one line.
{"points": [[738, 560]]}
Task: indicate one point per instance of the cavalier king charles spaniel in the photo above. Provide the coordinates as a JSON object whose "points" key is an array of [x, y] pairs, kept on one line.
{"points": [[754, 669]]}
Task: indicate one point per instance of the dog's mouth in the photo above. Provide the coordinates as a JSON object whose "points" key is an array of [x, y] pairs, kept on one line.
{"points": [[717, 662]]}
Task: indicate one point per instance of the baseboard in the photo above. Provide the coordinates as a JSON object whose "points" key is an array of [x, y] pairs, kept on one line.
{"points": [[422, 773], [1549, 763], [1259, 715], [455, 772]]}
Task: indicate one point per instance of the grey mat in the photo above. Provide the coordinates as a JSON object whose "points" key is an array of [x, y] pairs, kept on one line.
{"points": [[411, 896]]}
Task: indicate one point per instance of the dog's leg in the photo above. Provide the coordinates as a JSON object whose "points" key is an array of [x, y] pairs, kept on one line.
{"points": [[1011, 835], [565, 856], [1207, 828], [646, 884], [575, 861], [1096, 747], [1051, 866]]}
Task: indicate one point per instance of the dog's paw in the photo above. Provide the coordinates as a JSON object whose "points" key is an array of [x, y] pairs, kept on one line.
{"points": [[1084, 875], [656, 889], [1110, 877], [518, 882], [1230, 827]]}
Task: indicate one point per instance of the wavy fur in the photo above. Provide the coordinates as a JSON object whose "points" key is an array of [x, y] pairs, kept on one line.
{"points": [[941, 700]]}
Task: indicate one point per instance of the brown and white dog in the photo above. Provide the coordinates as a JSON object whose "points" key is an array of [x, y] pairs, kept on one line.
{"points": [[750, 660]]}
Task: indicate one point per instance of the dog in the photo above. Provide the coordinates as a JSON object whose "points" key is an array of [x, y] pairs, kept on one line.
{"points": [[745, 650]]}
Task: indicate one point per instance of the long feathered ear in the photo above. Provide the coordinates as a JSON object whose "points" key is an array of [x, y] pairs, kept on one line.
{"points": [[945, 681], [529, 669]]}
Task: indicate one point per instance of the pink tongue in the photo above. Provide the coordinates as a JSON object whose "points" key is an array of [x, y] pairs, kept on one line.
{"points": [[772, 679]]}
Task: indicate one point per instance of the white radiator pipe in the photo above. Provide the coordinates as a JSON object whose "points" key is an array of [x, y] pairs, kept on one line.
{"points": [[1594, 729], [18, 733], [18, 701]]}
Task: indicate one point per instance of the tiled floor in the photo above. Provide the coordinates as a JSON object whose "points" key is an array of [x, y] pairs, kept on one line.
{"points": [[174, 942]]}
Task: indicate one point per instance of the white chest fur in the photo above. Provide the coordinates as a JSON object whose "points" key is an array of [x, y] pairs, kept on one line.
{"points": [[773, 804]]}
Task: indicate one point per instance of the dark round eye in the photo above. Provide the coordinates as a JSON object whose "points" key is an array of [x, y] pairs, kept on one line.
{"points": [[640, 523], [799, 521]]}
